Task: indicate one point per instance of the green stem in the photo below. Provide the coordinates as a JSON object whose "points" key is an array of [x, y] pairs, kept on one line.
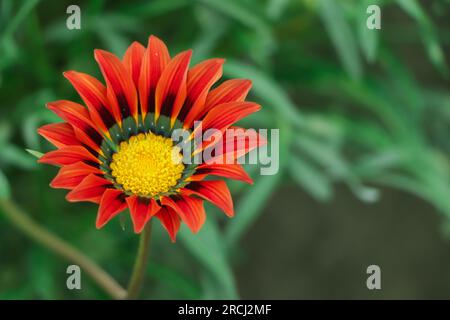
{"points": [[61, 248], [140, 264]]}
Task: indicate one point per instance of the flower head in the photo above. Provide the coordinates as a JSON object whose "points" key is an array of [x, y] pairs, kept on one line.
{"points": [[117, 150]]}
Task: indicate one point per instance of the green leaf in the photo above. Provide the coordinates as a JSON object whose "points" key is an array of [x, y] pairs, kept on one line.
{"points": [[207, 247], [178, 282], [35, 153], [213, 26], [19, 17], [16, 157], [153, 8], [427, 32], [240, 13], [5, 131], [267, 89], [325, 154], [260, 42], [276, 8], [374, 164], [341, 34], [250, 206], [41, 270], [311, 178], [5, 191], [368, 39]]}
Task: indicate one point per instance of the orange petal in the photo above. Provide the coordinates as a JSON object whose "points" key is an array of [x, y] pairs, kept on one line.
{"points": [[71, 175], [78, 116], [171, 88], [234, 90], [199, 80], [120, 88], [111, 204], [224, 115], [155, 59], [59, 134], [170, 221], [141, 210], [93, 93], [132, 60], [68, 155], [90, 189], [189, 209], [197, 177], [235, 143], [231, 171], [215, 191], [221, 118]]}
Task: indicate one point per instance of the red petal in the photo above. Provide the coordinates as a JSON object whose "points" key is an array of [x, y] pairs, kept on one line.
{"points": [[68, 155], [120, 88], [235, 143], [214, 191], [141, 210], [132, 60], [78, 117], [170, 221], [199, 80], [155, 59], [224, 115], [59, 134], [90, 189], [93, 93], [171, 89], [221, 118], [189, 209], [111, 204], [234, 90], [71, 175], [231, 171], [197, 177]]}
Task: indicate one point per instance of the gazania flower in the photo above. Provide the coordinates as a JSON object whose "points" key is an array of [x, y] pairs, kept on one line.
{"points": [[117, 151]]}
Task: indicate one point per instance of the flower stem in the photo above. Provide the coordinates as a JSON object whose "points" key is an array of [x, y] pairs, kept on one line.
{"points": [[61, 248], [140, 264]]}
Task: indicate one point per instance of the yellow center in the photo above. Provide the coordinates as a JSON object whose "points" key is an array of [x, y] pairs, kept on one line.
{"points": [[147, 164]]}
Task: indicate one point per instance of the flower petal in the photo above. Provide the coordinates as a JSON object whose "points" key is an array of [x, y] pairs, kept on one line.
{"points": [[59, 134], [155, 59], [93, 93], [111, 204], [224, 115], [68, 155], [90, 189], [71, 175], [120, 88], [234, 90], [170, 221], [171, 89], [141, 210], [189, 209], [231, 171], [132, 60], [215, 191], [78, 116], [235, 143], [199, 80]]}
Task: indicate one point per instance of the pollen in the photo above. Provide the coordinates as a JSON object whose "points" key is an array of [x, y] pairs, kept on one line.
{"points": [[147, 164]]}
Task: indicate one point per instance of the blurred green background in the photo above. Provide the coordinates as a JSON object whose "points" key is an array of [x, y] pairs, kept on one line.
{"points": [[364, 119]]}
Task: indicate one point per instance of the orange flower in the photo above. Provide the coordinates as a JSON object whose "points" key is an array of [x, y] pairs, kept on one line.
{"points": [[118, 152]]}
